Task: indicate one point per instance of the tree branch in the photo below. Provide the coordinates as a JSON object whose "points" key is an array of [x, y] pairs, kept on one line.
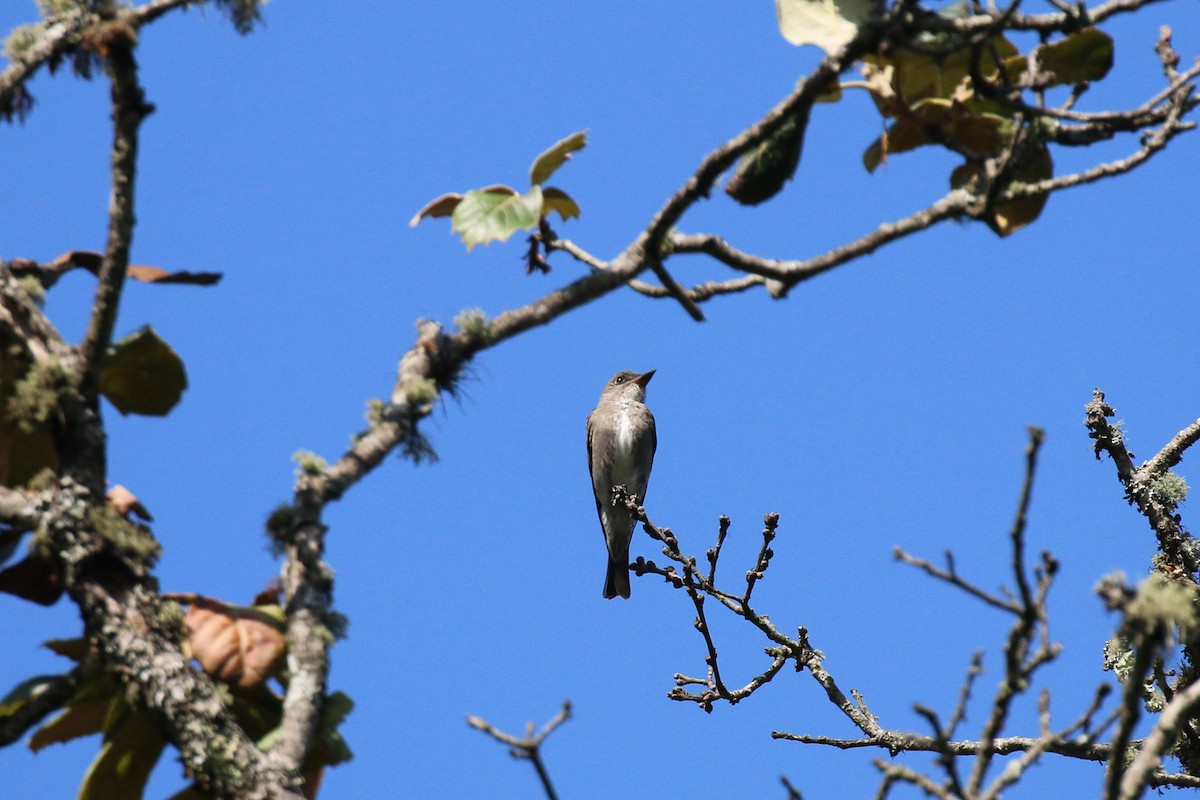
{"points": [[129, 109], [530, 746], [1174, 541], [1160, 740]]}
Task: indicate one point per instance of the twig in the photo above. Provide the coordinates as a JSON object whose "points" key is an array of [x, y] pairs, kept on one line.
{"points": [[1018, 664], [951, 577], [1131, 702], [1154, 746], [129, 109], [1171, 453], [964, 693], [701, 291], [530, 746]]}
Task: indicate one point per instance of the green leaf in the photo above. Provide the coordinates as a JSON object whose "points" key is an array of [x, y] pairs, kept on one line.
{"points": [[936, 120], [546, 163], [1085, 55], [20, 695], [917, 76], [496, 213], [1007, 218], [23, 453], [558, 200], [133, 743], [143, 375], [829, 24], [986, 134], [763, 171], [903, 135], [80, 718]]}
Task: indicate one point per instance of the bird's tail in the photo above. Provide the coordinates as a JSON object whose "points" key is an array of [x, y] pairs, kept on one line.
{"points": [[616, 581]]}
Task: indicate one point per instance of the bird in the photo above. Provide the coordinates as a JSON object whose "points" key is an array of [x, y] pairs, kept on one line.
{"points": [[621, 441]]}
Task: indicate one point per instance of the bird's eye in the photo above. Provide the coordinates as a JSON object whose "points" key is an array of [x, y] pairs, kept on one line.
{"points": [[620, 379]]}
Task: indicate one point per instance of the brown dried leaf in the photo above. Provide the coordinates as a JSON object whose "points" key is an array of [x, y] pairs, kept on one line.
{"points": [[91, 260], [236, 644], [124, 501], [88, 259], [442, 206], [148, 274]]}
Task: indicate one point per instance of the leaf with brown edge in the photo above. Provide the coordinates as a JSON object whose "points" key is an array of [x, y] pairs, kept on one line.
{"points": [[559, 201], [143, 375], [560, 153], [442, 206], [238, 644]]}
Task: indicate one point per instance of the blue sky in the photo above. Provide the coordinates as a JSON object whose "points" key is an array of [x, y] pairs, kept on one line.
{"points": [[882, 404]]}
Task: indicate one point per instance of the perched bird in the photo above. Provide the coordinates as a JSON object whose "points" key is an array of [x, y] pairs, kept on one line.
{"points": [[621, 443]]}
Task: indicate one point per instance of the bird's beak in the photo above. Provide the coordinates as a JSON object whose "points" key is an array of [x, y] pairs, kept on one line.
{"points": [[644, 378]]}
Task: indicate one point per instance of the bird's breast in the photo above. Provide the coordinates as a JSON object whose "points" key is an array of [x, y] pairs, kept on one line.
{"points": [[623, 439]]}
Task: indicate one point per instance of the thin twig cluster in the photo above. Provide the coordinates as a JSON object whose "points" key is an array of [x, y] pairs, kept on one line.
{"points": [[966, 765]]}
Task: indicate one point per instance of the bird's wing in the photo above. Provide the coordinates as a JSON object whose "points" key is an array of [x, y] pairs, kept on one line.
{"points": [[647, 463], [593, 468]]}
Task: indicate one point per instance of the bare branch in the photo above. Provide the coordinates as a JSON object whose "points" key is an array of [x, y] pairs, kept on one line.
{"points": [[129, 109], [530, 746], [792, 792], [1160, 740], [951, 577], [701, 291], [1171, 453], [23, 322], [1174, 541], [1019, 664]]}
